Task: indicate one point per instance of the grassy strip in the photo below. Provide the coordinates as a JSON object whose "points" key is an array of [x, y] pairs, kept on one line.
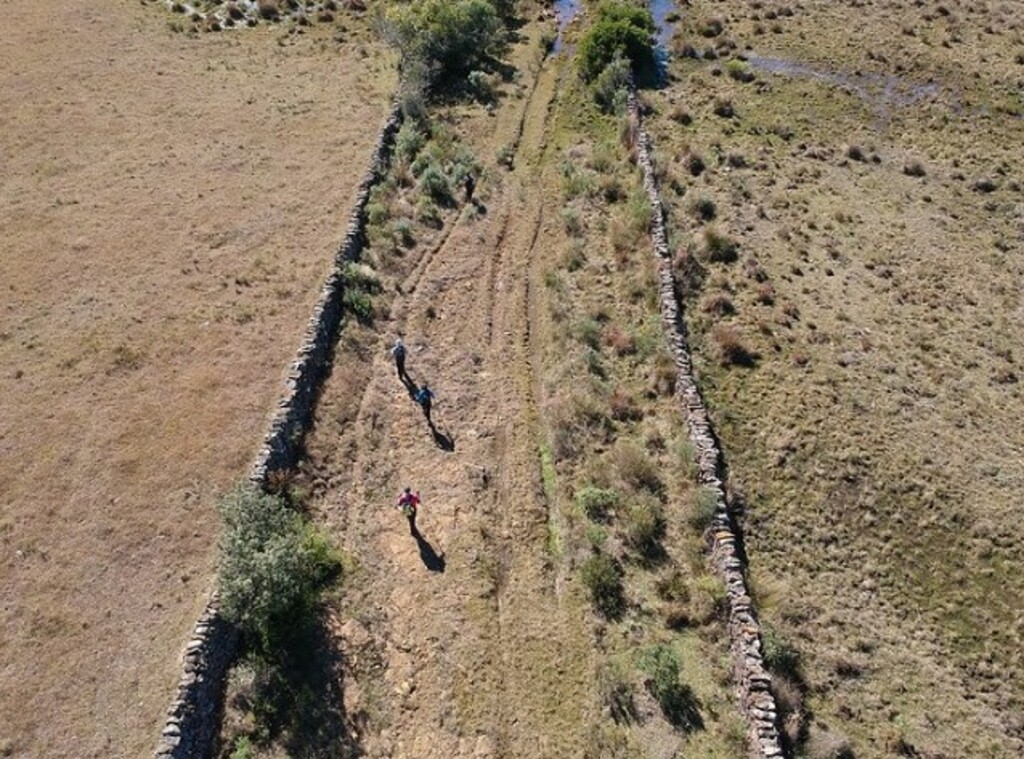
{"points": [[624, 482]]}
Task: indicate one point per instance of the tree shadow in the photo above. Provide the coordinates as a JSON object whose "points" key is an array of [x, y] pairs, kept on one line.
{"points": [[431, 559], [682, 708], [297, 698]]}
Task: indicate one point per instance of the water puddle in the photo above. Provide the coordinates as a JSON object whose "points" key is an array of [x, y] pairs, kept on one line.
{"points": [[661, 10], [565, 11], [881, 91], [665, 15]]}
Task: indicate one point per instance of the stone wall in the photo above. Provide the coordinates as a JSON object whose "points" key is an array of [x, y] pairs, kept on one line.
{"points": [[193, 719], [752, 680]]}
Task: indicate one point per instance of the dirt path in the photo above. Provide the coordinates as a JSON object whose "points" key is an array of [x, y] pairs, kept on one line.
{"points": [[456, 643]]}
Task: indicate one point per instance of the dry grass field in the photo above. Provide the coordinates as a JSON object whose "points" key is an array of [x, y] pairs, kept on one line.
{"points": [[169, 203], [848, 207]]}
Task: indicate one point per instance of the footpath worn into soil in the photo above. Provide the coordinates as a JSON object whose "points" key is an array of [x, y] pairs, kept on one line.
{"points": [[456, 642]]}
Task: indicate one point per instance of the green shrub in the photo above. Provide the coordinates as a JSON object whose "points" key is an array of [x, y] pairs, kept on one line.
{"points": [[572, 222], [645, 526], [640, 213], [602, 576], [506, 156], [739, 71], [708, 600], [597, 503], [376, 213], [678, 702], [575, 182], [481, 86], [273, 566], [427, 213], [620, 29], [435, 184], [449, 36], [409, 141], [588, 332], [779, 654], [612, 85], [703, 509], [243, 748]]}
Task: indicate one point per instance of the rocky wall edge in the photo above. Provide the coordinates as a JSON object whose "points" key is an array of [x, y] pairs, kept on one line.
{"points": [[193, 719], [753, 682]]}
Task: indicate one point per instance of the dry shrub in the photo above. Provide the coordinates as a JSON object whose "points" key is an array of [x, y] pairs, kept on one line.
{"points": [[629, 131], [677, 617], [914, 169], [645, 527], [663, 377], [731, 350], [620, 341], [574, 422], [789, 699], [712, 28], [635, 467], [765, 294], [672, 587], [268, 9], [703, 208], [708, 601], [681, 116], [724, 108], [856, 153], [623, 407], [688, 272], [718, 247], [822, 743], [695, 164], [719, 304]]}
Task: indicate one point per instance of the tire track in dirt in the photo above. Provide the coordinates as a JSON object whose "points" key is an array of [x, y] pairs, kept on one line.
{"points": [[471, 660]]}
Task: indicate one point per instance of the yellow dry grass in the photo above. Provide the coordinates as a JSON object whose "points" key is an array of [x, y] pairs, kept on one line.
{"points": [[169, 206]]}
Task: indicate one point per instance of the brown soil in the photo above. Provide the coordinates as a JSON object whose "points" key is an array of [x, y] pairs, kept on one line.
{"points": [[483, 655], [169, 205]]}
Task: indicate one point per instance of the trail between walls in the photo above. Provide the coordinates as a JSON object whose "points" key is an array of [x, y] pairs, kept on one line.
{"points": [[455, 642]]}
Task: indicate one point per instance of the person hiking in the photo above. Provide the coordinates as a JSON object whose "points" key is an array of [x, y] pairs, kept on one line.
{"points": [[399, 354], [469, 184], [409, 503], [425, 397]]}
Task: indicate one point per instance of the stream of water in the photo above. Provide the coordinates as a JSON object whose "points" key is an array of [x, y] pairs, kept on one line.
{"points": [[565, 11]]}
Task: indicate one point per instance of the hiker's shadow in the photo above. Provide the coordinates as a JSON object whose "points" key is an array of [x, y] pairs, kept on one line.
{"points": [[411, 387], [431, 559], [442, 440]]}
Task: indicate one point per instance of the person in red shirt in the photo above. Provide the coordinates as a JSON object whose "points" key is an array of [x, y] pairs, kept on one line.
{"points": [[409, 503]]}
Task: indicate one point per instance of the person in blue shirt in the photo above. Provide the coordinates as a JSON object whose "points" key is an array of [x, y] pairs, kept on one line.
{"points": [[425, 397]]}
